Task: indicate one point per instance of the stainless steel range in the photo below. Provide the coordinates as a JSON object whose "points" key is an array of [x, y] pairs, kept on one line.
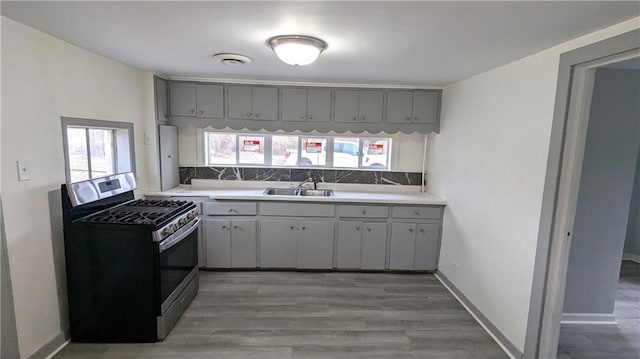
{"points": [[132, 265]]}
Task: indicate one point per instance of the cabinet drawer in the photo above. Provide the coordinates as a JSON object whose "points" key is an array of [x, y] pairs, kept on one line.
{"points": [[363, 211], [229, 208], [417, 212], [297, 209]]}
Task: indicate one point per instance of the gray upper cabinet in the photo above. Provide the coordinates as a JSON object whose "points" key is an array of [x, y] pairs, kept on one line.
{"points": [[182, 98], [418, 106], [306, 104], [196, 100], [162, 113], [209, 101], [352, 106], [252, 102]]}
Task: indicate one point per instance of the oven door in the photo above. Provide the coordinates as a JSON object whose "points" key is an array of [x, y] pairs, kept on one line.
{"points": [[178, 258]]}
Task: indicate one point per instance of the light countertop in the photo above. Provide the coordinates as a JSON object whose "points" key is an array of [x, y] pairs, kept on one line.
{"points": [[342, 193]]}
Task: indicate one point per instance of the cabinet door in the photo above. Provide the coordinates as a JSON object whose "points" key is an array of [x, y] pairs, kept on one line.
{"points": [[370, 106], [209, 101], [426, 252], [182, 98], [243, 244], [239, 102], [162, 114], [426, 106], [315, 244], [374, 245], [346, 106], [399, 106], [294, 104], [169, 170], [318, 105], [265, 103], [349, 244], [218, 232], [403, 241], [278, 243]]}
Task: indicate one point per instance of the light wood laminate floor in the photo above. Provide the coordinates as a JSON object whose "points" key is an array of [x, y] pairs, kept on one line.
{"points": [[609, 341], [284, 315]]}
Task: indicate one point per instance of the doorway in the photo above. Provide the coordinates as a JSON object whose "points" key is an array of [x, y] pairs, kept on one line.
{"points": [[593, 289], [565, 164]]}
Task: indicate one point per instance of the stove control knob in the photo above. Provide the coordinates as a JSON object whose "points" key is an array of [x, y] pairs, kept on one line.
{"points": [[167, 231]]}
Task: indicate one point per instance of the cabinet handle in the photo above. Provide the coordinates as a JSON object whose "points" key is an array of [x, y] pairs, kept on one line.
{"points": [[355, 118], [235, 227], [304, 228], [231, 210], [169, 156], [369, 229], [417, 213], [257, 115], [357, 228], [416, 118], [310, 117], [249, 114], [408, 118], [421, 230], [361, 118], [200, 112], [410, 229], [292, 228], [302, 117], [192, 111], [364, 212], [224, 227]]}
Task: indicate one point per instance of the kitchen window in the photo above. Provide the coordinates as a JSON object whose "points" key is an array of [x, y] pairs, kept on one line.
{"points": [[96, 148], [306, 151]]}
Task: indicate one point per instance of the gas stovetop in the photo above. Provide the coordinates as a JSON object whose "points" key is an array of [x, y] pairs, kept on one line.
{"points": [[152, 213]]}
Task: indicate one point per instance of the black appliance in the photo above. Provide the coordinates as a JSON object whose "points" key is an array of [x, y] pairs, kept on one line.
{"points": [[132, 265]]}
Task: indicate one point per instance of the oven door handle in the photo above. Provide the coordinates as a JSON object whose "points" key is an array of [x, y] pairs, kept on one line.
{"points": [[180, 235]]}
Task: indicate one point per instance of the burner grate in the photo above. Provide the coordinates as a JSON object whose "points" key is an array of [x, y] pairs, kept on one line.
{"points": [[147, 212]]}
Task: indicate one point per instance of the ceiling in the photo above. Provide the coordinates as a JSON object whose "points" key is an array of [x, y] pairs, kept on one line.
{"points": [[396, 43]]}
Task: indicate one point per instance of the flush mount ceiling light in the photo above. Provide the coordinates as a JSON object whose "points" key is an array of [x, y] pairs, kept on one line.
{"points": [[231, 59], [297, 50]]}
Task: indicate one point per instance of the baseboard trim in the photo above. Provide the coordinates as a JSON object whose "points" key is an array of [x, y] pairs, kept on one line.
{"points": [[493, 331], [631, 257], [51, 347], [588, 318]]}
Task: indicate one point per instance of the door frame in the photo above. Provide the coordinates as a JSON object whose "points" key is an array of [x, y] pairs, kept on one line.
{"points": [[564, 167]]}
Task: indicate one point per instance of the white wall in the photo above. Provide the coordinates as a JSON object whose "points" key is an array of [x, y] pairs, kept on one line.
{"points": [[489, 163], [406, 149], [604, 198], [43, 79]]}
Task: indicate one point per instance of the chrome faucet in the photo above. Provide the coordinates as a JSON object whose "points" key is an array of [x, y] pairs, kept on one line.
{"points": [[310, 179]]}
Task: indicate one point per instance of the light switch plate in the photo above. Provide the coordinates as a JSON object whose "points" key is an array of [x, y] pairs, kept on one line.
{"points": [[147, 138], [24, 173]]}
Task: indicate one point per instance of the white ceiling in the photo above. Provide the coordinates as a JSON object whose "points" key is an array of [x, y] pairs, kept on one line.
{"points": [[403, 43]]}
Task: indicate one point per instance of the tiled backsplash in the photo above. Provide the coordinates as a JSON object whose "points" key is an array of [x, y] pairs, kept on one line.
{"points": [[298, 175]]}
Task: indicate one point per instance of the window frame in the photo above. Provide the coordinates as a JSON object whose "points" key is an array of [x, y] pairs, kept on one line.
{"points": [[329, 149], [123, 136]]}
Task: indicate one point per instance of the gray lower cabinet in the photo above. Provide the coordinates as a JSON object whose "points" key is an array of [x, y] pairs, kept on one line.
{"points": [[252, 102], [292, 243], [278, 242], [196, 100], [353, 106], [414, 246], [315, 244], [361, 245], [231, 243]]}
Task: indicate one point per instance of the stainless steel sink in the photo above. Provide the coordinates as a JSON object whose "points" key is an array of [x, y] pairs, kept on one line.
{"points": [[281, 191], [316, 192], [297, 192]]}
